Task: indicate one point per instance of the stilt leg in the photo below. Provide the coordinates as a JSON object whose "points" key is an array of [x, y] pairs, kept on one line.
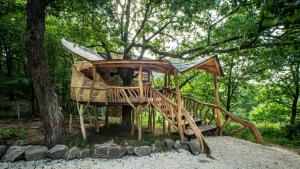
{"points": [[132, 122], [106, 118], [70, 122], [153, 121], [169, 128], [149, 119], [97, 123], [81, 109], [139, 123], [164, 126]]}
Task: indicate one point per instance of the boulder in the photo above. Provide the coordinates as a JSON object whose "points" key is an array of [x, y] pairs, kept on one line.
{"points": [[142, 151], [108, 151], [185, 145], [177, 145], [194, 147], [2, 150], [169, 143], [84, 153], [33, 153], [129, 150], [72, 153], [154, 148], [14, 153], [57, 152]]}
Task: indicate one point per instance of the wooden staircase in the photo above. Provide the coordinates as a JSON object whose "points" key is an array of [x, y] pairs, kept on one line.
{"points": [[206, 113], [169, 110]]}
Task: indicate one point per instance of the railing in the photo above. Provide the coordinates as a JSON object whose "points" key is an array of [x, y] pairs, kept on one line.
{"points": [[205, 112], [169, 110], [128, 94]]}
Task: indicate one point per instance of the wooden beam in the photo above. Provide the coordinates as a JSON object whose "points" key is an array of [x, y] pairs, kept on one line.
{"points": [[216, 109], [83, 131], [140, 76], [179, 115]]}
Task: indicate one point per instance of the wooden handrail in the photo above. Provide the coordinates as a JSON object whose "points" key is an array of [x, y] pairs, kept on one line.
{"points": [[167, 106], [247, 124]]}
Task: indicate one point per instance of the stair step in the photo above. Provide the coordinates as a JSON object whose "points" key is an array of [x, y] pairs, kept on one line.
{"points": [[203, 129], [196, 120]]}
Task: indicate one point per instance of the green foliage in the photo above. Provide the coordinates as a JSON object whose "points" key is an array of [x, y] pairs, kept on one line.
{"points": [[14, 133]]}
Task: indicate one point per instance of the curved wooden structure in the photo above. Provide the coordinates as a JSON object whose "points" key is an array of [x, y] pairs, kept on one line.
{"points": [[95, 82]]}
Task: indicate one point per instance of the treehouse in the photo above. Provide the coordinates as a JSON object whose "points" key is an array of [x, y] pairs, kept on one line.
{"points": [[96, 81]]}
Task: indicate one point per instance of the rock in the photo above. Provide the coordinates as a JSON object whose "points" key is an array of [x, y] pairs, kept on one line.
{"points": [[57, 152], [84, 153], [20, 142], [108, 151], [185, 145], [14, 153], [2, 150], [142, 151], [194, 147], [129, 150], [169, 143], [154, 148], [177, 145], [72, 153], [33, 153]]}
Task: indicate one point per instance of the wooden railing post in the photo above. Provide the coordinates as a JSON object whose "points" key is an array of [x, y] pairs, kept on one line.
{"points": [[179, 114], [217, 113], [140, 76]]}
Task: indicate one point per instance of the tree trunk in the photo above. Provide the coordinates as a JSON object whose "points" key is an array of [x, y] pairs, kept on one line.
{"points": [[296, 95], [9, 65], [294, 110], [50, 111], [229, 83], [127, 76]]}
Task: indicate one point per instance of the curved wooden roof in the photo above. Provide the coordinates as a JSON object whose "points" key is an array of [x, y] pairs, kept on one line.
{"points": [[208, 64]]}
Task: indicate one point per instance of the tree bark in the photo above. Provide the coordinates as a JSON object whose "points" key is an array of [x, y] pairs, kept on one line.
{"points": [[296, 95], [127, 76], [50, 112]]}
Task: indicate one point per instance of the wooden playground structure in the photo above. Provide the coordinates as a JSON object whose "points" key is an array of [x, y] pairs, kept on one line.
{"points": [[188, 116]]}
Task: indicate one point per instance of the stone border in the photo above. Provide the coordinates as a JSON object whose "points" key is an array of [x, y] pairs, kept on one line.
{"points": [[105, 150]]}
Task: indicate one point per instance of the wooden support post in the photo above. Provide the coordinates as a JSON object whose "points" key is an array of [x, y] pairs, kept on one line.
{"points": [[106, 118], [71, 122], [133, 114], [169, 128], [141, 83], [149, 117], [179, 115], [139, 116], [81, 111], [164, 126], [217, 110], [153, 121], [97, 122]]}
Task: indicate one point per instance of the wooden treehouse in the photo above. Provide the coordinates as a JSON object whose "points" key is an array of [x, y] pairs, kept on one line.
{"points": [[188, 116]]}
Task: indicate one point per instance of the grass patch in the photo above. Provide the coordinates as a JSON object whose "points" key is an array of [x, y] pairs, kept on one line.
{"points": [[14, 133], [271, 133]]}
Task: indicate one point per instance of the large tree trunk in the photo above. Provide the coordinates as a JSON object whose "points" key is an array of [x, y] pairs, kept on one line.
{"points": [[50, 111], [127, 77], [294, 110]]}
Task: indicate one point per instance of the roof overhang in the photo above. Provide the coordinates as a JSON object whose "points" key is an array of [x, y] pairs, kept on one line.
{"points": [[209, 64]]}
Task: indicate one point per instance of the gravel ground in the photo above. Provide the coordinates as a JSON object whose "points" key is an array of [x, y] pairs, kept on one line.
{"points": [[227, 152]]}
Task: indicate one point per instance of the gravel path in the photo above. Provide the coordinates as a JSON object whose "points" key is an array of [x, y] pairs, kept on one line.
{"points": [[227, 152]]}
